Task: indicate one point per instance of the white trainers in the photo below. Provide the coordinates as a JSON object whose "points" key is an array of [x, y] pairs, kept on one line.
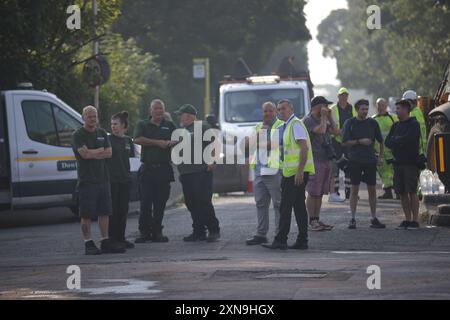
{"points": [[334, 197]]}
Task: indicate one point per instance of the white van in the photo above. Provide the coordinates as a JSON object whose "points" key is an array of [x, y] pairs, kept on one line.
{"points": [[239, 110], [37, 164]]}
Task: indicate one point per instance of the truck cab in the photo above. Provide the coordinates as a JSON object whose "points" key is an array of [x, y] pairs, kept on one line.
{"points": [[37, 164], [239, 110]]}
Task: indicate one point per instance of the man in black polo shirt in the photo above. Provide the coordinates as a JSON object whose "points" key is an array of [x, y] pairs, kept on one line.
{"points": [[156, 173], [197, 178], [92, 147]]}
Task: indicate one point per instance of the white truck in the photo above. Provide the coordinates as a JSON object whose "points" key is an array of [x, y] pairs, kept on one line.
{"points": [[239, 110], [37, 164]]}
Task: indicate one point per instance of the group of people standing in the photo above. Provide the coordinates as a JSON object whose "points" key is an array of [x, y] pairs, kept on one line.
{"points": [[104, 179], [329, 139], [307, 157]]}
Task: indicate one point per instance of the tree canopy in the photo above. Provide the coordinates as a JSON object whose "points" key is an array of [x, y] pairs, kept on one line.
{"points": [[223, 30], [408, 52]]}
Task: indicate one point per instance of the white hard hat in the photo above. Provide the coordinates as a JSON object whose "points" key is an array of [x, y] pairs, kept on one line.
{"points": [[410, 95]]}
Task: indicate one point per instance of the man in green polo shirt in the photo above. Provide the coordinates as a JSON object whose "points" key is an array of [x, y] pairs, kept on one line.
{"points": [[156, 173], [92, 147]]}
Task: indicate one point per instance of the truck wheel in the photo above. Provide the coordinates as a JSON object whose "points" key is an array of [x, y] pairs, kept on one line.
{"points": [[440, 126]]}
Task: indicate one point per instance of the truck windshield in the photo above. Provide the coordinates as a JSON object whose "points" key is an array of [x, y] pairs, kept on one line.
{"points": [[245, 106]]}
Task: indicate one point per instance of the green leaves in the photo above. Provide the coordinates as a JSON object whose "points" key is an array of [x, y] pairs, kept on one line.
{"points": [[408, 52]]}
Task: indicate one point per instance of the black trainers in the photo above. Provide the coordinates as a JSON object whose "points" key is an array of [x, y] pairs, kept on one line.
{"points": [[255, 240], [413, 225], [376, 224], [159, 238], [109, 246], [90, 249], [143, 239], [299, 246], [128, 244], [403, 226], [352, 224], [195, 237], [276, 245], [213, 236]]}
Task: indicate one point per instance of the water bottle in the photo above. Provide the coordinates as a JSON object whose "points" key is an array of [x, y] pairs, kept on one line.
{"points": [[436, 183], [441, 188], [425, 182], [429, 182]]}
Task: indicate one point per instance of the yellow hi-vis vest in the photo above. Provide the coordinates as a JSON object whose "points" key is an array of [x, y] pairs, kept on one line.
{"points": [[418, 114], [292, 151], [274, 154], [336, 118]]}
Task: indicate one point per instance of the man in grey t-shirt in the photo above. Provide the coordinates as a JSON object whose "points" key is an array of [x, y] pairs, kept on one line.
{"points": [[359, 135], [320, 125]]}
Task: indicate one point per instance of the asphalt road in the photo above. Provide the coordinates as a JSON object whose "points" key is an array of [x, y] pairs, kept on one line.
{"points": [[37, 247]]}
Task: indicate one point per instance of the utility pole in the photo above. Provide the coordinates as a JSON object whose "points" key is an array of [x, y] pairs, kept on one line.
{"points": [[97, 88]]}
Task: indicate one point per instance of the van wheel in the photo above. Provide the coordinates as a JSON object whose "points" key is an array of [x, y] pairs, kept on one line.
{"points": [[440, 125]]}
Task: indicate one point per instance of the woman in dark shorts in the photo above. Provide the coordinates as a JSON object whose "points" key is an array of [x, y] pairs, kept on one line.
{"points": [[119, 170]]}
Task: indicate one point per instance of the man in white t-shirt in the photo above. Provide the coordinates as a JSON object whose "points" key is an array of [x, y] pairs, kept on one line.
{"points": [[293, 183]]}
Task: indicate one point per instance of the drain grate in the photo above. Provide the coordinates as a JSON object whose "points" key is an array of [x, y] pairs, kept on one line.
{"points": [[293, 276], [230, 275]]}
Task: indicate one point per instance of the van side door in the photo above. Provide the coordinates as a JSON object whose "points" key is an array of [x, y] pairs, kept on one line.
{"points": [[45, 160]]}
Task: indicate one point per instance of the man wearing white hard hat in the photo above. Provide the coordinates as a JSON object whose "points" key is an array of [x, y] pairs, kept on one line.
{"points": [[417, 113]]}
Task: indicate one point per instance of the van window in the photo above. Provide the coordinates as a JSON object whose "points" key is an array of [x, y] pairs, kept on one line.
{"points": [[245, 106], [47, 123], [65, 126]]}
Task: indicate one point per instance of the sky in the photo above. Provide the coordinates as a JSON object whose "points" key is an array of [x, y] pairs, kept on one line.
{"points": [[322, 70]]}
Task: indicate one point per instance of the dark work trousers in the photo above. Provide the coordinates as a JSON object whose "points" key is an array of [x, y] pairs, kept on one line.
{"points": [[154, 191], [197, 190], [293, 196], [120, 194]]}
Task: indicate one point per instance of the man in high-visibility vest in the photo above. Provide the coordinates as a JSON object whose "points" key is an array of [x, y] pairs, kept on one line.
{"points": [[265, 160], [297, 164], [340, 112], [418, 114], [385, 170]]}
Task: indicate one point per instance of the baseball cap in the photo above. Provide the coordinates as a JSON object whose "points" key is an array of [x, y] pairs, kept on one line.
{"points": [[319, 100], [404, 103], [362, 102], [343, 91], [187, 108]]}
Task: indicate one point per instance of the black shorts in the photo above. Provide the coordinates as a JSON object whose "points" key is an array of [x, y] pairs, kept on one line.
{"points": [[406, 178], [362, 172], [94, 199]]}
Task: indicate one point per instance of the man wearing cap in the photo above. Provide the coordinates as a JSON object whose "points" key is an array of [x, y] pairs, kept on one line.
{"points": [[404, 139], [156, 172], [196, 178], [265, 161], [298, 164], [320, 125], [341, 112], [411, 95], [385, 170], [360, 134]]}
